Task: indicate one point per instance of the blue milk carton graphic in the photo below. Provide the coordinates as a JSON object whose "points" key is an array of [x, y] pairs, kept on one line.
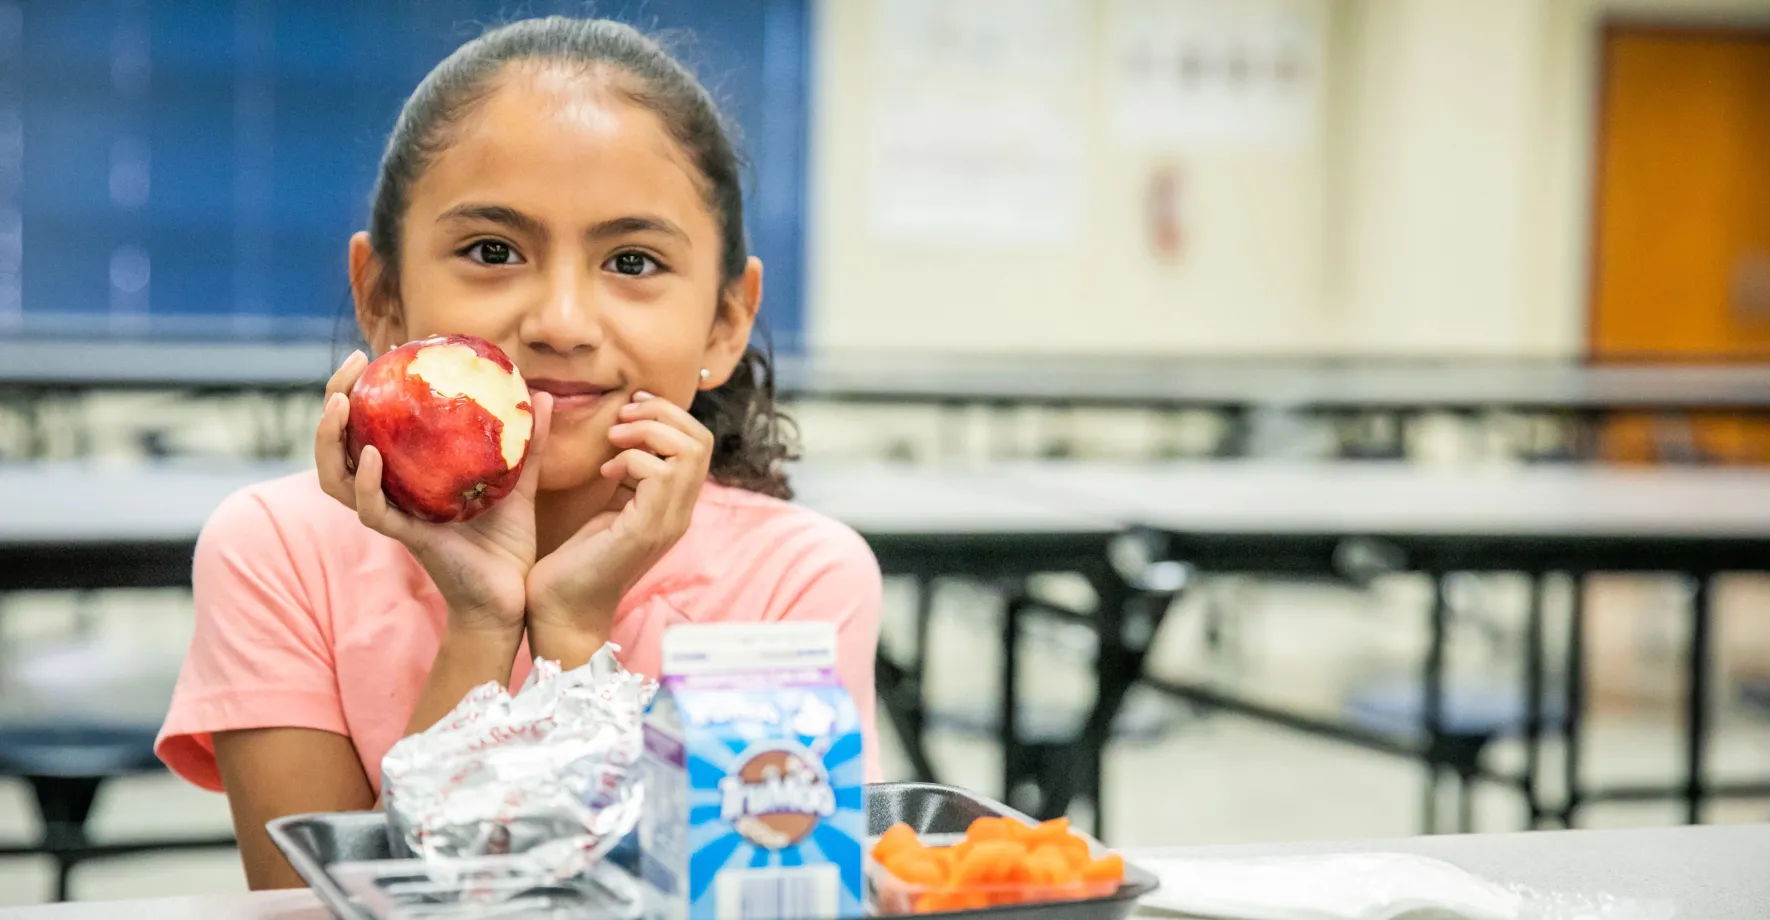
{"points": [[754, 778]]}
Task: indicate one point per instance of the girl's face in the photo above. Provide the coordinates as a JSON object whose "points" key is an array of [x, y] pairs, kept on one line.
{"points": [[566, 225]]}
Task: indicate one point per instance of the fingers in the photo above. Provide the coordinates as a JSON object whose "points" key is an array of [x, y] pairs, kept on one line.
{"points": [[659, 438], [664, 490], [646, 407], [636, 466], [542, 406], [371, 503], [329, 455], [345, 376]]}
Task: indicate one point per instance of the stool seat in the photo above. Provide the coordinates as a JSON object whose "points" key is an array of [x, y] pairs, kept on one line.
{"points": [[77, 750], [65, 761], [1469, 718], [1398, 707]]}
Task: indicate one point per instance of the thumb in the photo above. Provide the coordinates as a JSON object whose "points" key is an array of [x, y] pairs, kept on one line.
{"points": [[542, 407]]}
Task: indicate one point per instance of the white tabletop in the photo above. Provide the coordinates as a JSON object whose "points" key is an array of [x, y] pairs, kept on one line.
{"points": [[82, 502], [880, 499], [1706, 873], [79, 503], [1277, 382], [1109, 379], [1400, 499], [88, 503], [268, 905], [166, 364]]}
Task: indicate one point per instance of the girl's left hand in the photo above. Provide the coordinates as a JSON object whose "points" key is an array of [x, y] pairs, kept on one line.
{"points": [[573, 591]]}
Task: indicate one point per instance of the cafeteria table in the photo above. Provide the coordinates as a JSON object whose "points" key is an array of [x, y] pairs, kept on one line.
{"points": [[1096, 380], [76, 526], [1278, 518], [1711, 873], [38, 373]]}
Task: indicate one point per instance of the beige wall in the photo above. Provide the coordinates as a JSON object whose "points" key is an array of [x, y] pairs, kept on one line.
{"points": [[1440, 207]]}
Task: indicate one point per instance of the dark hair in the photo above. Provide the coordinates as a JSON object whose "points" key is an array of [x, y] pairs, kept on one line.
{"points": [[752, 437]]}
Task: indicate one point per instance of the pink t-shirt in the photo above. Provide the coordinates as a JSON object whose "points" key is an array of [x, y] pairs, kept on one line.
{"points": [[308, 619]]}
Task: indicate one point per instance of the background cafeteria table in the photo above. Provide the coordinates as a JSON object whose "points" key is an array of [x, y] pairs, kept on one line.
{"points": [[1712, 873], [37, 375], [82, 526], [1056, 380], [85, 526], [1347, 519]]}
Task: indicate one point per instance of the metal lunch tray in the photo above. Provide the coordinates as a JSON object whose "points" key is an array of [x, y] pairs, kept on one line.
{"points": [[315, 843]]}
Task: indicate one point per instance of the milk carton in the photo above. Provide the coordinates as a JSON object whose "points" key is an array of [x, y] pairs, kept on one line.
{"points": [[754, 778]]}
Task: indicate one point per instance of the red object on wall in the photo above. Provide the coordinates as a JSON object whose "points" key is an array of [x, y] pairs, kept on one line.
{"points": [[1167, 235]]}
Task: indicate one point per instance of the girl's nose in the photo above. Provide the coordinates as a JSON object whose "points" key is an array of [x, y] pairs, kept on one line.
{"points": [[566, 321]]}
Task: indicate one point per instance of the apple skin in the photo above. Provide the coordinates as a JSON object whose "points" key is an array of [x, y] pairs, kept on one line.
{"points": [[442, 447]]}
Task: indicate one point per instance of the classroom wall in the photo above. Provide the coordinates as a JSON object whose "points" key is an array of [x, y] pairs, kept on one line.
{"points": [[1249, 279], [1438, 205], [1439, 178]]}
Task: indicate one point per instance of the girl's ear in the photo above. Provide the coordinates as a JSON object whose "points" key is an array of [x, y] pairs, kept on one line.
{"points": [[732, 323], [377, 305]]}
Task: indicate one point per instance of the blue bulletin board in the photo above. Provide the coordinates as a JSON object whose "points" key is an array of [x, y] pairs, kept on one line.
{"points": [[191, 169]]}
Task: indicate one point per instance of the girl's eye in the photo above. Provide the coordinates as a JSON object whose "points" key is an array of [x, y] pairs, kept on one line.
{"points": [[492, 252], [632, 264]]}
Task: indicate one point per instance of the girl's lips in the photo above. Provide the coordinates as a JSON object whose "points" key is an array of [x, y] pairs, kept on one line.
{"points": [[570, 395]]}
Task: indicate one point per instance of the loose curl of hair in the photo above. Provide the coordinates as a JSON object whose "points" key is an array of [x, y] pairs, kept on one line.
{"points": [[752, 438]]}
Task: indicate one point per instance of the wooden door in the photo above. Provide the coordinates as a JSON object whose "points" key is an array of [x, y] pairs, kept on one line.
{"points": [[1681, 263]]}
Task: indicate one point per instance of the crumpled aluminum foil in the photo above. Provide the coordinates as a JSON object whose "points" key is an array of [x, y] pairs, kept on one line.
{"points": [[551, 772]]}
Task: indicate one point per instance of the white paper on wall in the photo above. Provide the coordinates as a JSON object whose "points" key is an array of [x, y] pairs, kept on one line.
{"points": [[1214, 74], [978, 120]]}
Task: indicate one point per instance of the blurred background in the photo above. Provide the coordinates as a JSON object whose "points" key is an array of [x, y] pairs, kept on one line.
{"points": [[1433, 238]]}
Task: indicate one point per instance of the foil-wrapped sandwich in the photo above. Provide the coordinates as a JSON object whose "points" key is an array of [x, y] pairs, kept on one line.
{"points": [[551, 772]]}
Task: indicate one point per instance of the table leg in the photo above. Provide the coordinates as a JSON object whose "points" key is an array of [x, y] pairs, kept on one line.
{"points": [[1696, 699], [37, 440], [1432, 686], [1003, 432], [1588, 434], [925, 589], [955, 430], [902, 688], [1118, 666], [1575, 703], [1237, 433], [1008, 723], [1466, 804], [1533, 698]]}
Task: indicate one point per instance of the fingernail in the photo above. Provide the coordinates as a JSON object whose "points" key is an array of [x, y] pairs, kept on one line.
{"points": [[642, 396], [355, 356]]}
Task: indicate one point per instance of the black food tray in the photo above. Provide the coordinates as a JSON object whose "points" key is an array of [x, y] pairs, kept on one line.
{"points": [[313, 843]]}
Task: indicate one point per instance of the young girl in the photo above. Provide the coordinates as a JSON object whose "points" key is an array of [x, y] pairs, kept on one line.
{"points": [[565, 189]]}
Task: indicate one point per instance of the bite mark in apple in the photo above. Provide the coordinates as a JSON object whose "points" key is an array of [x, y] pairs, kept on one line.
{"points": [[454, 371]]}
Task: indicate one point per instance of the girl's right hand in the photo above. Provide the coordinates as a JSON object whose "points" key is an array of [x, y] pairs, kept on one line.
{"points": [[481, 566]]}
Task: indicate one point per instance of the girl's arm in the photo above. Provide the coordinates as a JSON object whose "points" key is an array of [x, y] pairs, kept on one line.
{"points": [[260, 673], [273, 772]]}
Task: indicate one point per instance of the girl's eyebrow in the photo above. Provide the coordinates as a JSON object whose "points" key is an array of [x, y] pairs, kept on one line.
{"points": [[622, 226], [530, 226], [497, 214]]}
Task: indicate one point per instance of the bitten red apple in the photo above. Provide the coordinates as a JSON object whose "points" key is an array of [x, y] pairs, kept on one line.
{"points": [[451, 418]]}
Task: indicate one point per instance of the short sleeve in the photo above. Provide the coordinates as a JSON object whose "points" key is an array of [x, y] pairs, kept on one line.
{"points": [[260, 656], [841, 583]]}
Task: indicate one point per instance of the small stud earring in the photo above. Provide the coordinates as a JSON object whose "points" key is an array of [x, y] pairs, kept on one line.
{"points": [[705, 373]]}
